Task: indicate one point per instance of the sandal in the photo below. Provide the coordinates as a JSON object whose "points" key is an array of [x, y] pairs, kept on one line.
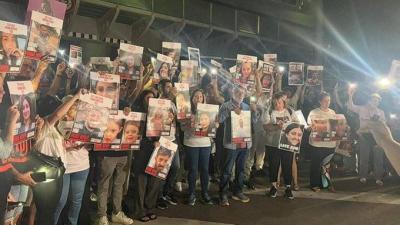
{"points": [[144, 219], [316, 189], [152, 216]]}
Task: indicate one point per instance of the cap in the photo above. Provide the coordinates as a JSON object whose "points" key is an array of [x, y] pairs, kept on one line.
{"points": [[376, 95]]}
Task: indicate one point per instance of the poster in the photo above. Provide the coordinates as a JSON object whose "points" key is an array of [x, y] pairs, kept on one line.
{"points": [[290, 138], [75, 56], [314, 75], [296, 73], [44, 36], [205, 120], [133, 130], [28, 69], [194, 55], [101, 64], [345, 148], [189, 73], [183, 101], [130, 57], [246, 67], [158, 117], [18, 193], [271, 58], [112, 134], [161, 159], [172, 50], [22, 95], [394, 72], [300, 116], [320, 129], [106, 85], [267, 78], [48, 7], [12, 47], [91, 119], [162, 67], [241, 127], [340, 131]]}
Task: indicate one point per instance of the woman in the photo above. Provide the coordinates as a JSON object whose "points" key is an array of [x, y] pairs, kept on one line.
{"points": [[77, 168], [274, 119], [27, 119], [163, 71], [320, 149], [292, 135], [198, 150]]}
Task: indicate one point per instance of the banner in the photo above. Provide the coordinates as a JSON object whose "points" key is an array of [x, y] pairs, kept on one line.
{"points": [[296, 73], [183, 101], [161, 159], [290, 138], [130, 57], [205, 121], [12, 47], [158, 117]]}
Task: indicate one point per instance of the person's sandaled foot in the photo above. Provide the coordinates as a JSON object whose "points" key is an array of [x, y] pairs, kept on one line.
{"points": [[152, 216], [144, 219]]}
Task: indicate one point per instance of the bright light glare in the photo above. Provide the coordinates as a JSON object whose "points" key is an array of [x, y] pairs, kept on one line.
{"points": [[393, 116], [61, 51], [204, 71], [384, 82], [352, 85], [281, 68], [213, 71]]}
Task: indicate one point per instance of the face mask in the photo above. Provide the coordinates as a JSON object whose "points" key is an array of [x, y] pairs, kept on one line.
{"points": [[65, 127]]}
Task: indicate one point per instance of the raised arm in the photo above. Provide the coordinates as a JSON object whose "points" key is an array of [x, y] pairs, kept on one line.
{"points": [[337, 98], [55, 85], [350, 103], [63, 109], [258, 82], [43, 64]]}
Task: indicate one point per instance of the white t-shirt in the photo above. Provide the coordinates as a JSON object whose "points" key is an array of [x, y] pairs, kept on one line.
{"points": [[273, 136], [318, 113]]}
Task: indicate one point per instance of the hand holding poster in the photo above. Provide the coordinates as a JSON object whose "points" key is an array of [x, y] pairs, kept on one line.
{"points": [[23, 95], [159, 117], [241, 127], [206, 123], [49, 7], [12, 47], [340, 131], [161, 159], [172, 50], [188, 72], [91, 118], [296, 73], [320, 129], [130, 57], [106, 85], [194, 55], [314, 75], [183, 101], [246, 67], [133, 130], [101, 64], [291, 135], [112, 134], [75, 56], [44, 36], [162, 67]]}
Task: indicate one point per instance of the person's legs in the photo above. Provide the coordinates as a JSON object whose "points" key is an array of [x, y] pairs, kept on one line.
{"points": [[315, 168], [204, 158], [172, 174], [242, 156], [192, 155], [63, 198], [274, 165], [260, 152], [379, 156], [139, 194], [106, 170], [286, 162], [6, 182], [118, 183], [250, 160], [227, 171], [151, 196], [365, 149], [77, 188], [294, 173]]}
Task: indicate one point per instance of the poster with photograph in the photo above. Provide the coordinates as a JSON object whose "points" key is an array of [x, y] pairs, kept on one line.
{"points": [[241, 127], [12, 47], [23, 95], [162, 67], [91, 119], [28, 69], [340, 130], [18, 193], [205, 120], [172, 50], [130, 57], [290, 138], [394, 72], [246, 67], [158, 117], [320, 129], [53, 8], [189, 73], [101, 64], [106, 85], [314, 75], [194, 55], [112, 134], [133, 130], [345, 148], [271, 58], [44, 36], [296, 73], [75, 56], [267, 78], [182, 101], [161, 159]]}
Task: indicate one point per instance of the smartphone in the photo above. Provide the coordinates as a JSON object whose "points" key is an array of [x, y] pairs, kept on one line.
{"points": [[253, 99], [38, 176]]}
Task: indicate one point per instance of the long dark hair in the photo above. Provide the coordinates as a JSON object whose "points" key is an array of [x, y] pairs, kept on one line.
{"points": [[140, 102], [192, 105]]}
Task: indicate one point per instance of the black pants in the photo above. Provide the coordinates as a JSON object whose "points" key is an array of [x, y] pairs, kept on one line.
{"points": [[146, 191], [317, 155], [283, 158], [6, 179]]}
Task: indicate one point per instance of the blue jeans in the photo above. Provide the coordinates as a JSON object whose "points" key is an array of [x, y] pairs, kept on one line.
{"points": [[232, 156], [198, 159], [74, 184]]}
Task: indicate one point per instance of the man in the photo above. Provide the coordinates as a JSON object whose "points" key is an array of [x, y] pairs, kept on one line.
{"points": [[234, 152], [370, 111], [9, 52], [161, 159]]}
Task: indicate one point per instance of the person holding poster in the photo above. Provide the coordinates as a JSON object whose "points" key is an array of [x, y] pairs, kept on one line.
{"points": [[13, 38], [234, 152], [246, 68], [106, 85], [130, 61], [274, 120], [321, 148], [173, 50], [290, 138], [296, 73], [162, 67], [182, 100]]}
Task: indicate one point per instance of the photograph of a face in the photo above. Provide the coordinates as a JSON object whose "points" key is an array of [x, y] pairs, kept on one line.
{"points": [[340, 130], [296, 73], [246, 67], [205, 120], [320, 129], [48, 7], [194, 55], [161, 159], [22, 95], [130, 57], [241, 127], [172, 50], [112, 134], [182, 101], [314, 75], [13, 38], [267, 78], [291, 135], [133, 130], [75, 56], [106, 85], [158, 117], [188, 72], [91, 118], [162, 67], [44, 36]]}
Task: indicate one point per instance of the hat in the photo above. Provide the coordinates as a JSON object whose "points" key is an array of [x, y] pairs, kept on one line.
{"points": [[376, 95]]}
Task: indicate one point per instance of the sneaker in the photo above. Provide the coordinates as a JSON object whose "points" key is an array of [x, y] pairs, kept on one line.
{"points": [[207, 200], [121, 218], [178, 187], [250, 184], [93, 197], [192, 200], [272, 192], [363, 180], [170, 199], [379, 182], [224, 201], [103, 220], [241, 197], [288, 193], [161, 204]]}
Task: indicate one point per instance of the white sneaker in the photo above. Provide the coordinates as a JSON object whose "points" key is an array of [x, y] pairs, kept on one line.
{"points": [[103, 220], [121, 218], [379, 182], [363, 180]]}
